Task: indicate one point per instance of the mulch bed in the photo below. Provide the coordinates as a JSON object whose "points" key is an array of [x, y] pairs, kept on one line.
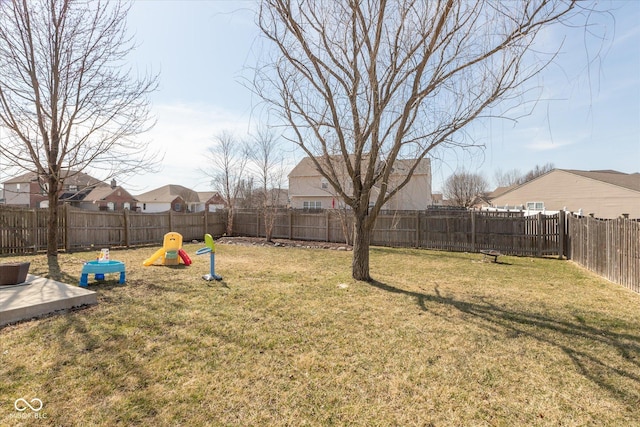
{"points": [[282, 243]]}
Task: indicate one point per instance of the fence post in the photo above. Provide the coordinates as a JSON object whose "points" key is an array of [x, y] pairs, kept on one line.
{"points": [[67, 215], [540, 233], [326, 216], [126, 227], [418, 229], [473, 231], [258, 223], [561, 234], [35, 231], [290, 224]]}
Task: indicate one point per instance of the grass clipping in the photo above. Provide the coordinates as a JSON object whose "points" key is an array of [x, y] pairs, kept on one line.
{"points": [[288, 338]]}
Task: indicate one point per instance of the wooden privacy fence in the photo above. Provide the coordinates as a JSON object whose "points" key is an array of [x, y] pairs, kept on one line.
{"points": [[22, 230], [610, 248], [510, 233], [25, 230]]}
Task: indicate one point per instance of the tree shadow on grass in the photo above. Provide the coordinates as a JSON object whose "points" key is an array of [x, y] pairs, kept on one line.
{"points": [[64, 277], [565, 335], [116, 368]]}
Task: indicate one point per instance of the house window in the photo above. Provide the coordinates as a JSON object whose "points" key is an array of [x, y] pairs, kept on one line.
{"points": [[312, 205], [110, 206], [126, 206], [324, 184], [73, 188], [177, 207], [535, 206]]}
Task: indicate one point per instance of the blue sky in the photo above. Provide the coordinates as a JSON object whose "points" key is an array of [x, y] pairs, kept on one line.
{"points": [[588, 117]]}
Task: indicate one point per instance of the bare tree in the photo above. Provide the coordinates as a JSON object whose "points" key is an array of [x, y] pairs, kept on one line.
{"points": [[245, 197], [268, 163], [65, 97], [508, 178], [362, 84], [515, 177], [228, 158], [462, 188], [536, 172]]}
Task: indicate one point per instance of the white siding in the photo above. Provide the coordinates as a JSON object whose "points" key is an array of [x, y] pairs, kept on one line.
{"points": [[151, 207]]}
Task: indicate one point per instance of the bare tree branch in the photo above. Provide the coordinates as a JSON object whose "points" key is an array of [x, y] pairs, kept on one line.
{"points": [[267, 164], [364, 84], [228, 158], [463, 187], [65, 97]]}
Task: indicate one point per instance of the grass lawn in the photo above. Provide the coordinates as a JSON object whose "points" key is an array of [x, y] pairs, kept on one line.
{"points": [[288, 338]]}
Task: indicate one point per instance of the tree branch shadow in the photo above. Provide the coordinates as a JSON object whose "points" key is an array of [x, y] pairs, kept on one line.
{"points": [[561, 334], [126, 372]]}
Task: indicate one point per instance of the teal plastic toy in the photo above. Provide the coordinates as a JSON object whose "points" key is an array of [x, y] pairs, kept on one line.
{"points": [[210, 248]]}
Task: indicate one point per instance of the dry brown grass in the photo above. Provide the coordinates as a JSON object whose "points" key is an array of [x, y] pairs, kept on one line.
{"points": [[288, 338]]}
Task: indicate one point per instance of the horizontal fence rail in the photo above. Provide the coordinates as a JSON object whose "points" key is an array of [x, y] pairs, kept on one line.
{"points": [[609, 248]]}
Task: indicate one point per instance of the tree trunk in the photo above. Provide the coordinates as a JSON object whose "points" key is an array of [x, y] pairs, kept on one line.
{"points": [[343, 215], [269, 220], [52, 232], [361, 242], [230, 221]]}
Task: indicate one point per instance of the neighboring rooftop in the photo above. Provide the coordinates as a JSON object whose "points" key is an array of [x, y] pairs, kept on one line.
{"points": [[621, 179], [101, 192], [168, 193], [80, 179]]}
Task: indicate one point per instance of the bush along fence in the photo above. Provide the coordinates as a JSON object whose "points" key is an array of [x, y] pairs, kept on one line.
{"points": [[609, 248]]}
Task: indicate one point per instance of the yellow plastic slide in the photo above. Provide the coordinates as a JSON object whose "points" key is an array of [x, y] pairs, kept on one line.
{"points": [[170, 253], [157, 255]]}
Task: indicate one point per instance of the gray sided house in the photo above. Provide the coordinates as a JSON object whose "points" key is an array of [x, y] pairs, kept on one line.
{"points": [[603, 194], [309, 190]]}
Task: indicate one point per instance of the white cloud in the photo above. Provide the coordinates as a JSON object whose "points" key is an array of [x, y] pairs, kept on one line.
{"points": [[549, 144], [181, 136]]}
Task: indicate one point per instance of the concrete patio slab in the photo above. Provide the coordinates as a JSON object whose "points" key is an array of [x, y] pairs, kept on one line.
{"points": [[39, 296]]}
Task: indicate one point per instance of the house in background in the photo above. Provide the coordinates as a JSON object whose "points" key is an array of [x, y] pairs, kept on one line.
{"points": [[108, 198], [28, 190], [603, 194], [170, 198], [210, 201], [485, 199], [437, 200], [278, 198], [308, 189]]}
